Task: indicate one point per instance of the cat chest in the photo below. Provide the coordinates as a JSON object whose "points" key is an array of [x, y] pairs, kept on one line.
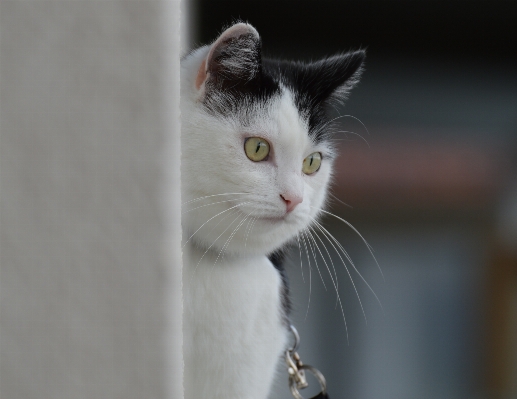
{"points": [[233, 329], [237, 292]]}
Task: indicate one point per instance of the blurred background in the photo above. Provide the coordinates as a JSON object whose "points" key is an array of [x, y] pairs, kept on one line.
{"points": [[427, 174]]}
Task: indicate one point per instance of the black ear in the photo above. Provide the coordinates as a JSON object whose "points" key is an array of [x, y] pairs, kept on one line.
{"points": [[331, 79], [233, 62]]}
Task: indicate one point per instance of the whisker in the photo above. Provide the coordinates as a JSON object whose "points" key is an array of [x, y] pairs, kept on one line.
{"points": [[227, 243], [208, 249], [333, 282], [226, 210], [358, 120], [324, 261], [253, 224], [209, 196], [314, 256], [337, 199], [370, 249], [328, 254], [202, 206], [330, 121], [238, 227], [248, 229], [354, 133], [325, 232], [331, 261], [343, 116], [352, 264], [301, 261], [310, 273], [233, 212]]}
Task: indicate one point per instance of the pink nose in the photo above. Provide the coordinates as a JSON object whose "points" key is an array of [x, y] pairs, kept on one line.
{"points": [[291, 201]]}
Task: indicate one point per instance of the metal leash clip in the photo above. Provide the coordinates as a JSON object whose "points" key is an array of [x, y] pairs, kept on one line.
{"points": [[296, 370]]}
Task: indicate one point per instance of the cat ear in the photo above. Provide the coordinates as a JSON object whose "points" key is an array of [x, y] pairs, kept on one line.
{"points": [[233, 60], [331, 79]]}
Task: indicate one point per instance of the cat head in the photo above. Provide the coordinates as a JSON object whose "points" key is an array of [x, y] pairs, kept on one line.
{"points": [[256, 150]]}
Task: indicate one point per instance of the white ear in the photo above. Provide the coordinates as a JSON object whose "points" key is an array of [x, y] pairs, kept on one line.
{"points": [[235, 55]]}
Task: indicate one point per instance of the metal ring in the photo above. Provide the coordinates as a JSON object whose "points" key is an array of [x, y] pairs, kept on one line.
{"points": [[316, 373], [296, 338]]}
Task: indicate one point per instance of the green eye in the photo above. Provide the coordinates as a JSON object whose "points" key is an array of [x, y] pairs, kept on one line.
{"points": [[312, 163], [256, 149]]}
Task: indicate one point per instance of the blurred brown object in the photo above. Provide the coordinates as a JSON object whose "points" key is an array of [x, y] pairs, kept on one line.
{"points": [[501, 322], [409, 175]]}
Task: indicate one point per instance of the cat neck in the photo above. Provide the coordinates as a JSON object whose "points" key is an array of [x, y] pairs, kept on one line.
{"points": [[197, 254]]}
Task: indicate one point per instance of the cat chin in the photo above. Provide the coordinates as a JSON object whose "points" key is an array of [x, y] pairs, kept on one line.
{"points": [[264, 237]]}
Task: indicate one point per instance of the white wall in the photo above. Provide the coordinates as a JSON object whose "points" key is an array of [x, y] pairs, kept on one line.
{"points": [[90, 295]]}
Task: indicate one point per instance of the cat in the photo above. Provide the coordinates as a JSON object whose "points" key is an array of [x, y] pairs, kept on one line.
{"points": [[256, 163]]}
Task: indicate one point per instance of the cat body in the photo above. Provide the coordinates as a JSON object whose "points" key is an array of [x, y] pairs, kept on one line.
{"points": [[235, 331], [256, 165]]}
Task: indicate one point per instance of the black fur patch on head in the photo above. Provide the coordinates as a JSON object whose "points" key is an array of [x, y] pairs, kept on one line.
{"points": [[239, 79], [239, 97], [235, 63], [234, 68], [316, 85]]}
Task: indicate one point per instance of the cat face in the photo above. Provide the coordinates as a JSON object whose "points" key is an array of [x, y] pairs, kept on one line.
{"points": [[256, 155]]}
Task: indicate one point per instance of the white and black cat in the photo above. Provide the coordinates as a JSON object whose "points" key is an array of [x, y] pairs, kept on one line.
{"points": [[256, 165]]}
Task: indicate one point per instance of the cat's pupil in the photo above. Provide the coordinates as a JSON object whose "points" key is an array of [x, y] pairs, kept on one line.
{"points": [[258, 147], [312, 158]]}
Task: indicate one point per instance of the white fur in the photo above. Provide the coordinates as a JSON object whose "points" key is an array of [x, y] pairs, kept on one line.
{"points": [[233, 326], [233, 330]]}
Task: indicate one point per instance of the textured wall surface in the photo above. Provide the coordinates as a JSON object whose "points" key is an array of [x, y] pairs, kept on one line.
{"points": [[89, 220]]}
